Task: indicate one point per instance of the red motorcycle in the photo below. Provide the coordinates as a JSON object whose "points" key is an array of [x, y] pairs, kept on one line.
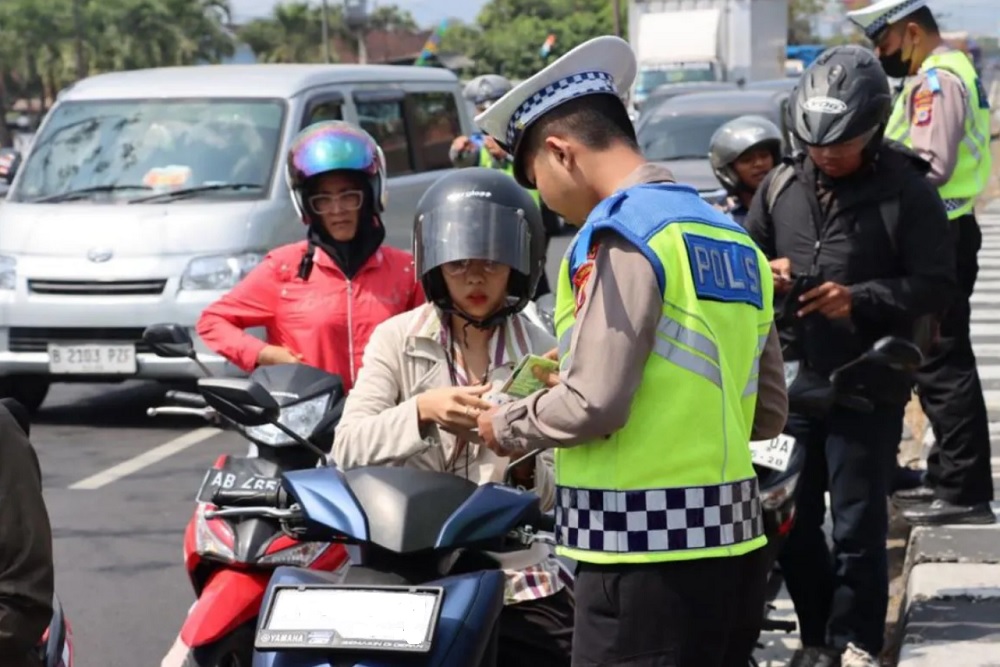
{"points": [[230, 560]]}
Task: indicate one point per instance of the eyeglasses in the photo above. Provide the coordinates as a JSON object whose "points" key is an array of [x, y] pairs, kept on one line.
{"points": [[462, 266], [349, 200]]}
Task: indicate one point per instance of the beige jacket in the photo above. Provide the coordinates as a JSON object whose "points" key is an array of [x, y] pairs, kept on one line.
{"points": [[403, 358]]}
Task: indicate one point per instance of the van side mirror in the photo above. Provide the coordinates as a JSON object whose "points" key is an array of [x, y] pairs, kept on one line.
{"points": [[169, 340], [896, 353], [241, 400], [10, 162]]}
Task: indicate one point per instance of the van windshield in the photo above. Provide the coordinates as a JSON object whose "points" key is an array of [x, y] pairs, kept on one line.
{"points": [[131, 148]]}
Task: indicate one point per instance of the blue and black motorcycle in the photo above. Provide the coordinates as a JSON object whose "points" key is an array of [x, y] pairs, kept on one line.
{"points": [[423, 588]]}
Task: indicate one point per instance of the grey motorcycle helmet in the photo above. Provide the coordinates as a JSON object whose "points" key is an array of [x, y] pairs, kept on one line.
{"points": [[486, 89], [843, 95], [479, 213], [734, 139]]}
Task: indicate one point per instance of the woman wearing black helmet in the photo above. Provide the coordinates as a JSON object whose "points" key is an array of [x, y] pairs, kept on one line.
{"points": [[479, 250], [854, 217]]}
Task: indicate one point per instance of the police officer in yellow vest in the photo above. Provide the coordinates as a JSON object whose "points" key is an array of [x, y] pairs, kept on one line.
{"points": [[942, 113], [484, 151], [669, 365]]}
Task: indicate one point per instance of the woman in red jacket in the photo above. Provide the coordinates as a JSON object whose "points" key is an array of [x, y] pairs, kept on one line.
{"points": [[321, 298]]}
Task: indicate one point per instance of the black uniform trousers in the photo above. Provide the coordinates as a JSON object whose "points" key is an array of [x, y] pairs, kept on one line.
{"points": [[958, 465], [695, 613]]}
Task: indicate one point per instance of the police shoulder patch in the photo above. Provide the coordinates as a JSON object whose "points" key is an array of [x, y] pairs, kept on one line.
{"points": [[724, 271], [582, 277], [923, 107]]}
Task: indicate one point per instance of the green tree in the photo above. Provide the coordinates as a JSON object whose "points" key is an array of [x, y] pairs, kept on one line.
{"points": [[508, 34]]}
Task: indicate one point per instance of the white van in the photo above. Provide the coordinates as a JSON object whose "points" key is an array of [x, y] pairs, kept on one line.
{"points": [[148, 194]]}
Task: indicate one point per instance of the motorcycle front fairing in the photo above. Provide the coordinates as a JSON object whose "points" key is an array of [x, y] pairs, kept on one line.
{"points": [[414, 517]]}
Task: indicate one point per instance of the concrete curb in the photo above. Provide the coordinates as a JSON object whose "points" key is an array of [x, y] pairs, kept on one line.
{"points": [[951, 612]]}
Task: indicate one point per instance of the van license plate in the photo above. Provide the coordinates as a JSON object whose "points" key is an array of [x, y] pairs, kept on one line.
{"points": [[774, 454], [92, 359]]}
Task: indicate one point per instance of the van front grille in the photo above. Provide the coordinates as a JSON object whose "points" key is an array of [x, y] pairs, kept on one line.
{"points": [[98, 287], [36, 339]]}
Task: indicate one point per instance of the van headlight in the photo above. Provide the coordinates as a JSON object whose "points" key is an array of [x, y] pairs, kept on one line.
{"points": [[8, 272], [218, 272], [791, 372]]}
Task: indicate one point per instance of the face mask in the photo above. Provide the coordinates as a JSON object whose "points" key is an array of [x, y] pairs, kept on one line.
{"points": [[894, 65]]}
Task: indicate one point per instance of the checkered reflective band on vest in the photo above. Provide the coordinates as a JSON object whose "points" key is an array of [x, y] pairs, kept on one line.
{"points": [[659, 519]]}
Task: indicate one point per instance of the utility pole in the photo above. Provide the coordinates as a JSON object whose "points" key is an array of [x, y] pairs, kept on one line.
{"points": [[617, 9], [326, 32]]}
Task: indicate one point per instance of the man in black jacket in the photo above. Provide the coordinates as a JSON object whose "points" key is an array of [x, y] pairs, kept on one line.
{"points": [[26, 570], [832, 219]]}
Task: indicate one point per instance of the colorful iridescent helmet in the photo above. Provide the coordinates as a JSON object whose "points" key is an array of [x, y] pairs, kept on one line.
{"points": [[334, 146]]}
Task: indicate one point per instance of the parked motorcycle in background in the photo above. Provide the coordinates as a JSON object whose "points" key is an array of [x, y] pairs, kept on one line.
{"points": [[230, 560]]}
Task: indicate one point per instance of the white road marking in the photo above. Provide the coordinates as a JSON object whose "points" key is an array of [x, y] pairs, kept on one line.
{"points": [[146, 459]]}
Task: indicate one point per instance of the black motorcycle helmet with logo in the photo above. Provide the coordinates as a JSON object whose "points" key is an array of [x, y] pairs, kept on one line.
{"points": [[842, 95], [479, 213]]}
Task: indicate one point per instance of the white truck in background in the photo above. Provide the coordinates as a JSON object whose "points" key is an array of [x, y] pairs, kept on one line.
{"points": [[685, 41]]}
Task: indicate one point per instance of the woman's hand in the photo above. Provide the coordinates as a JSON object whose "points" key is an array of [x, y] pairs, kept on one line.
{"points": [[274, 354], [453, 408]]}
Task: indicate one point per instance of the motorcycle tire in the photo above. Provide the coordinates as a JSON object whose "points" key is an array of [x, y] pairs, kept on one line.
{"points": [[233, 650]]}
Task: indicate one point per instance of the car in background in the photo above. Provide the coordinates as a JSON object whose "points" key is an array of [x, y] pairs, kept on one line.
{"points": [[148, 194], [676, 133], [666, 91]]}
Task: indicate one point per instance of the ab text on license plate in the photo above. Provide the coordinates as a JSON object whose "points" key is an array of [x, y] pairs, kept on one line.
{"points": [[774, 453], [235, 475], [92, 359]]}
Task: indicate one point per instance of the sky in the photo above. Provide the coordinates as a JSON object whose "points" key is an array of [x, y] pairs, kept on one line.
{"points": [[426, 12], [980, 16]]}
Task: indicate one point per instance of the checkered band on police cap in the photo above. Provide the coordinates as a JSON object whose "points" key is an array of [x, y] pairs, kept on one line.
{"points": [[897, 13], [554, 94]]}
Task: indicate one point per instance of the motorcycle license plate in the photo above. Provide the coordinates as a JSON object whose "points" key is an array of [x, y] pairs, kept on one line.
{"points": [[355, 618], [775, 453], [235, 474]]}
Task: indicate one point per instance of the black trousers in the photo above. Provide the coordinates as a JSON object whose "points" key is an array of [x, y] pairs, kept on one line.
{"points": [[842, 597], [958, 465], [537, 632], [697, 613]]}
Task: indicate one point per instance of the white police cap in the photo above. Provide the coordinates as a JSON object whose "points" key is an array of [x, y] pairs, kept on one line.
{"points": [[876, 17], [601, 65]]}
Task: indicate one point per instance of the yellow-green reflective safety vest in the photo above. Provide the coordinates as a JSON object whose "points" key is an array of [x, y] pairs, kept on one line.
{"points": [[507, 167], [677, 482], [972, 170]]}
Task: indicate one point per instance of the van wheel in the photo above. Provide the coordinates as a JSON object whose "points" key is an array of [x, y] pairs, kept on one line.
{"points": [[30, 391]]}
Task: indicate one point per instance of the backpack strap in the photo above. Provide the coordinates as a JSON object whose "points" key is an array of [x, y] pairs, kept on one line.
{"points": [[782, 176]]}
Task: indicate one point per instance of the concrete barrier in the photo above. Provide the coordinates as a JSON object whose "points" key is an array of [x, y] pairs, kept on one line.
{"points": [[951, 612]]}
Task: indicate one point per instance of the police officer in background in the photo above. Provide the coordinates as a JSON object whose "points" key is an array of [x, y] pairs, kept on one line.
{"points": [[484, 151], [943, 114], [848, 276], [669, 365], [742, 152]]}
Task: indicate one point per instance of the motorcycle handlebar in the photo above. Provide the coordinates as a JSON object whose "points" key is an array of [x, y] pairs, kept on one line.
{"points": [[546, 523], [186, 398], [277, 498]]}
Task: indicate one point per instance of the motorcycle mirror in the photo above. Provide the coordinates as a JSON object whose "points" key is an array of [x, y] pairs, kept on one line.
{"points": [[243, 401], [897, 353], [169, 340]]}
